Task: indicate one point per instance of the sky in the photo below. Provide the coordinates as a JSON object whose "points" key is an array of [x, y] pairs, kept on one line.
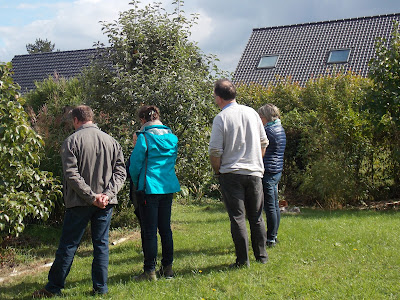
{"points": [[224, 26]]}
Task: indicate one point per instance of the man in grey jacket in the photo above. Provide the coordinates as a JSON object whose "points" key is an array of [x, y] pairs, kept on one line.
{"points": [[94, 172]]}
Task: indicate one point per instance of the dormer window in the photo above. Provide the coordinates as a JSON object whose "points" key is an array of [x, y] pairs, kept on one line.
{"points": [[339, 56], [268, 61]]}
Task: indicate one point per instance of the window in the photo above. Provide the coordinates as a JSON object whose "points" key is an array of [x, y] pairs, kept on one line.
{"points": [[339, 56], [268, 61]]}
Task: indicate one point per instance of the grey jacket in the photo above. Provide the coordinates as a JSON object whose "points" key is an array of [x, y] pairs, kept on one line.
{"points": [[93, 163]]}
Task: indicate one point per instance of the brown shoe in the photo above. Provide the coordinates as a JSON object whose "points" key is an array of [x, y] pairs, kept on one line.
{"points": [[166, 272], [146, 275], [43, 293]]}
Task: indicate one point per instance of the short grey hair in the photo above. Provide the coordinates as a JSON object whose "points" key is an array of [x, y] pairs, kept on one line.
{"points": [[269, 112]]}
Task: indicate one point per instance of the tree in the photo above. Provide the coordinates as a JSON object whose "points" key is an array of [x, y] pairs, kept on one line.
{"points": [[24, 189], [384, 102], [48, 106], [155, 63], [40, 46]]}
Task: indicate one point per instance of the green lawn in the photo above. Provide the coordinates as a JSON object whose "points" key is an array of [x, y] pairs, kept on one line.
{"points": [[321, 255]]}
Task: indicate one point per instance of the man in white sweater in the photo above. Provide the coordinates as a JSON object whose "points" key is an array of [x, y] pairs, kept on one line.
{"points": [[237, 145]]}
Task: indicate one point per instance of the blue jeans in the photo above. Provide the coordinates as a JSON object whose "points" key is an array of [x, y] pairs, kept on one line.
{"points": [[271, 204], [242, 195], [75, 222], [156, 214]]}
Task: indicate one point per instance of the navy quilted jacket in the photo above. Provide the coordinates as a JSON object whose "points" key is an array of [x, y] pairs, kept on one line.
{"points": [[273, 158]]}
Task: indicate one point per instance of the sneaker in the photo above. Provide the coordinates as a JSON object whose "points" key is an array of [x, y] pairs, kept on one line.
{"points": [[166, 272], [270, 244], [146, 275], [43, 293]]}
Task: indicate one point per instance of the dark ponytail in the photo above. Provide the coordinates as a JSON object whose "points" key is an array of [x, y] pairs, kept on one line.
{"points": [[149, 113]]}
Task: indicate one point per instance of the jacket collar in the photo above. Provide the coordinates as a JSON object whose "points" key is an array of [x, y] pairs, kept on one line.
{"points": [[150, 123], [276, 122], [84, 126]]}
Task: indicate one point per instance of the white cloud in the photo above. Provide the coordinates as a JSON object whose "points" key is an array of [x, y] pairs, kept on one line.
{"points": [[77, 26], [27, 6], [31, 6], [72, 26], [203, 29]]}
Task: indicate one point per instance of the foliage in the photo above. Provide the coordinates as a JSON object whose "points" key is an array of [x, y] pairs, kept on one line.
{"points": [[48, 106], [337, 139], [330, 156], [285, 95], [55, 93], [384, 104], [40, 46], [155, 63], [24, 189]]}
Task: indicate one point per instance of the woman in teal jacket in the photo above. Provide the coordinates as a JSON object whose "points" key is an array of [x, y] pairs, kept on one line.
{"points": [[152, 170]]}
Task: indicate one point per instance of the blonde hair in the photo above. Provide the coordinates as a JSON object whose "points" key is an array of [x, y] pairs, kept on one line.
{"points": [[270, 112]]}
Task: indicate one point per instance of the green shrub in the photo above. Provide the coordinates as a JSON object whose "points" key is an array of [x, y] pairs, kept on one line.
{"points": [[384, 101], [48, 106], [331, 157], [25, 190]]}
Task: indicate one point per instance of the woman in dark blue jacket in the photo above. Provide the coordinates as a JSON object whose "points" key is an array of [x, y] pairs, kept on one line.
{"points": [[273, 165]]}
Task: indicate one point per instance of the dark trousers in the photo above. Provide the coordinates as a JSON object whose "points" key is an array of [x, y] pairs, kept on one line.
{"points": [[156, 214], [75, 222], [243, 194]]}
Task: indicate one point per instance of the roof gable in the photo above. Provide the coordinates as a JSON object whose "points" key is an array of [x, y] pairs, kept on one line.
{"points": [[37, 67], [303, 49]]}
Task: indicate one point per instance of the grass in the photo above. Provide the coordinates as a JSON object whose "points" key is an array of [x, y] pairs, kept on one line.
{"points": [[321, 255]]}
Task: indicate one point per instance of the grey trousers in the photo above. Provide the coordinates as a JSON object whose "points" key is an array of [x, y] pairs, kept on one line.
{"points": [[243, 195]]}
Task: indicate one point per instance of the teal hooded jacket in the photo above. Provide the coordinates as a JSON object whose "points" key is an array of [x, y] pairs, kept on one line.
{"points": [[162, 150]]}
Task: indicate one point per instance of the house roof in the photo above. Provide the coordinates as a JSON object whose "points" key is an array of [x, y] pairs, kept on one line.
{"points": [[37, 67], [303, 49]]}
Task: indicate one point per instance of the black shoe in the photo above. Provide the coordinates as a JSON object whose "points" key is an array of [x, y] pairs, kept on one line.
{"points": [[239, 265], [95, 293], [262, 260]]}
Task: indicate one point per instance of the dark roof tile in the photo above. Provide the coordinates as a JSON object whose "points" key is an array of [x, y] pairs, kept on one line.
{"points": [[37, 67], [303, 49]]}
